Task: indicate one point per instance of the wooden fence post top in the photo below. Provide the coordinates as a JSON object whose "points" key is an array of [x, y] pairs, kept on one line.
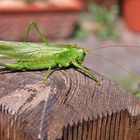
{"points": [[68, 97]]}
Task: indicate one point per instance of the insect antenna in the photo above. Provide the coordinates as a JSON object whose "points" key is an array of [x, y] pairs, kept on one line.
{"points": [[117, 46], [115, 63]]}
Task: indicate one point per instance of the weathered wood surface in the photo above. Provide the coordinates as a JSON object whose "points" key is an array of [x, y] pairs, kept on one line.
{"points": [[70, 106]]}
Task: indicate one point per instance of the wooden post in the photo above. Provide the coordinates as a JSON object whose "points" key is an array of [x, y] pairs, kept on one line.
{"points": [[69, 106]]}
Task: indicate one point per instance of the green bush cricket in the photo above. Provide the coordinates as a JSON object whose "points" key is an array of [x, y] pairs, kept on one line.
{"points": [[41, 56]]}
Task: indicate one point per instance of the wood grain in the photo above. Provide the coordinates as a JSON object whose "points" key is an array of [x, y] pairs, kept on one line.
{"points": [[69, 106]]}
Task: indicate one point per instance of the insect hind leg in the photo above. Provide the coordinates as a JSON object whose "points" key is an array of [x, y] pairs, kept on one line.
{"points": [[9, 66], [34, 24]]}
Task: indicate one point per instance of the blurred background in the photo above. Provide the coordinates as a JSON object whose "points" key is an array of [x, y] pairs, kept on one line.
{"points": [[90, 24]]}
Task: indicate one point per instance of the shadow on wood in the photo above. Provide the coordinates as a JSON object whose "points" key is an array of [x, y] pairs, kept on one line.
{"points": [[70, 106]]}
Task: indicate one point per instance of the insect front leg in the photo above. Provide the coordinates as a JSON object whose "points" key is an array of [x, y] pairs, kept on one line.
{"points": [[86, 71], [34, 24], [49, 72]]}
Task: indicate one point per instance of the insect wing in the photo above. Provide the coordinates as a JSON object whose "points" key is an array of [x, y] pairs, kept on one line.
{"points": [[29, 51]]}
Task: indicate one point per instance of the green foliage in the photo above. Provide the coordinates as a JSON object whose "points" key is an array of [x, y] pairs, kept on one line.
{"points": [[32, 1], [108, 32], [29, 1], [104, 18], [80, 33], [102, 15], [131, 83]]}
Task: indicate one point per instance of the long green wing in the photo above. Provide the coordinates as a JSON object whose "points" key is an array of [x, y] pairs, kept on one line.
{"points": [[19, 49], [27, 52]]}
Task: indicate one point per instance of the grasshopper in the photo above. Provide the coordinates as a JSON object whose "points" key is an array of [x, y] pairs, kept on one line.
{"points": [[43, 56]]}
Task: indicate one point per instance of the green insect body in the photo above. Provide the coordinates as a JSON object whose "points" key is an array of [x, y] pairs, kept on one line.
{"points": [[41, 56]]}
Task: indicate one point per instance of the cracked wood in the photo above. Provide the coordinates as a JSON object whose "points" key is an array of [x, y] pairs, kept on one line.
{"points": [[69, 106]]}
